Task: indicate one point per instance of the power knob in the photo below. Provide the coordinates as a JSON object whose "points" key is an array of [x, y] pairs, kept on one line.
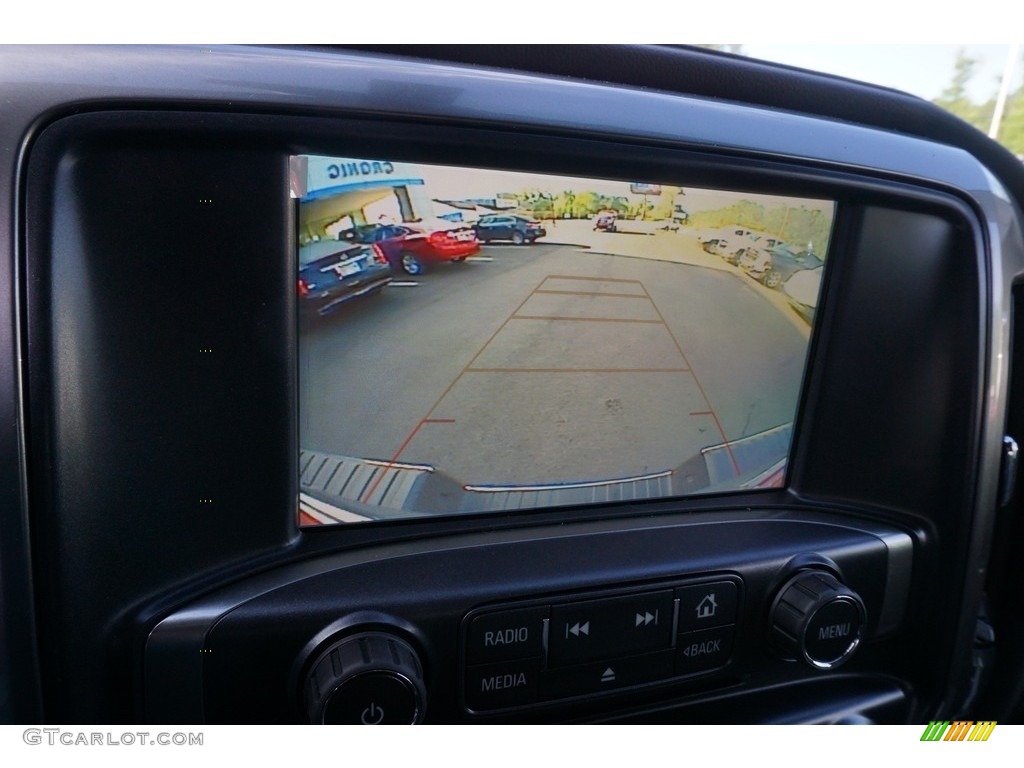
{"points": [[817, 619], [372, 678]]}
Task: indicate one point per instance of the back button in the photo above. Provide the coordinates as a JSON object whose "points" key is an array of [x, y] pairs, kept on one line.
{"points": [[708, 649]]}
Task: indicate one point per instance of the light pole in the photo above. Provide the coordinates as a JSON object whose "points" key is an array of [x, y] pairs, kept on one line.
{"points": [[1004, 89]]}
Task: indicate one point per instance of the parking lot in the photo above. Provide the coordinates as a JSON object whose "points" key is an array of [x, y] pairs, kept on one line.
{"points": [[586, 356]]}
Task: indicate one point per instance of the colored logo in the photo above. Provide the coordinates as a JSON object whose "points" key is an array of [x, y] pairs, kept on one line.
{"points": [[958, 730]]}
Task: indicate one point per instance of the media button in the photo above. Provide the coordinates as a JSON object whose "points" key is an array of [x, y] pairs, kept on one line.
{"points": [[508, 684]]}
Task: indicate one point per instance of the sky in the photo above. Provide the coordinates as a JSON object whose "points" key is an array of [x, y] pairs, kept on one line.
{"points": [[790, 23]]}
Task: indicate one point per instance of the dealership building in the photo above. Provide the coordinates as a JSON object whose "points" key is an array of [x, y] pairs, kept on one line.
{"points": [[336, 194]]}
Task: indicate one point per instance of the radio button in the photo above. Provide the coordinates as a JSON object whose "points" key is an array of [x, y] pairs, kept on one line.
{"points": [[516, 634]]}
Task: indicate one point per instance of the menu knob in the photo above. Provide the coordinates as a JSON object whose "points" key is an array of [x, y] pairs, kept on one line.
{"points": [[817, 619]]}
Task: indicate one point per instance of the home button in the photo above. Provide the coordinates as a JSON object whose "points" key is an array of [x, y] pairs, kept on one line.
{"points": [[703, 606]]}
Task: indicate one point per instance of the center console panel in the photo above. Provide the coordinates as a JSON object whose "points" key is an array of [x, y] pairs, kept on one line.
{"points": [[589, 625]]}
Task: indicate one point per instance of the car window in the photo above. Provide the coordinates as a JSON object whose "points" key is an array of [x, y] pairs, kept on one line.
{"points": [[982, 84]]}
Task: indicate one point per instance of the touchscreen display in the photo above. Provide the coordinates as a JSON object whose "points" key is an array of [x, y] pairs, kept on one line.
{"points": [[474, 340]]}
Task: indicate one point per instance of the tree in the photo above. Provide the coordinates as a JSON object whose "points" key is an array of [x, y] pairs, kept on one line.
{"points": [[1011, 130], [586, 203], [954, 97], [963, 71], [564, 204], [665, 205]]}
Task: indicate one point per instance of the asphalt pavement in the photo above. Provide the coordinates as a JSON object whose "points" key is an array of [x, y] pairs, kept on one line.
{"points": [[586, 356]]}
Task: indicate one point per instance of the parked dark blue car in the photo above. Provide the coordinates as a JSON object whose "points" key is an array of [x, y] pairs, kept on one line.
{"points": [[501, 226], [333, 272]]}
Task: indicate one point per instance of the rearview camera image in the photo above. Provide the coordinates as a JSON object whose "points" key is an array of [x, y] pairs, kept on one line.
{"points": [[475, 341]]}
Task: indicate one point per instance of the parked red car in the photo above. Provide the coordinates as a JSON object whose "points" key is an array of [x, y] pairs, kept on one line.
{"points": [[605, 220], [411, 248]]}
